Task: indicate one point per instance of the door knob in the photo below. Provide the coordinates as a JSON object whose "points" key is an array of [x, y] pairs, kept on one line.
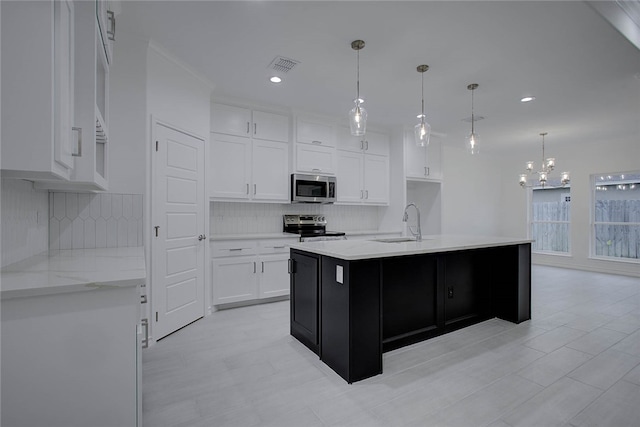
{"points": [[202, 237]]}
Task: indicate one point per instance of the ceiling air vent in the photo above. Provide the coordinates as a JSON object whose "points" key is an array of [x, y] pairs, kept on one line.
{"points": [[282, 64]]}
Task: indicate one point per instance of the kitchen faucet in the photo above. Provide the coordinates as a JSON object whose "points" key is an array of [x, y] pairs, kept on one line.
{"points": [[405, 218]]}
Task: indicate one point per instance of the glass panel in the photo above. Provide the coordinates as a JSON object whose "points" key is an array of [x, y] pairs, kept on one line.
{"points": [[617, 215], [550, 237], [551, 214], [620, 241]]}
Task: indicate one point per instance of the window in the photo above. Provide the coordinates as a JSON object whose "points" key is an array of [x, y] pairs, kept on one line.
{"points": [[550, 216], [616, 215]]}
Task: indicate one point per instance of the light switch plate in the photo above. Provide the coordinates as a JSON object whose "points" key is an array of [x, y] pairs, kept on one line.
{"points": [[339, 274]]}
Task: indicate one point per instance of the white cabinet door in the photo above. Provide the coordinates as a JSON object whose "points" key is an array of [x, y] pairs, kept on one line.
{"points": [[274, 275], [348, 142], [350, 173], [315, 158], [37, 89], [311, 131], [270, 126], [270, 171], [422, 163], [230, 165], [231, 120], [234, 279], [376, 143], [376, 179]]}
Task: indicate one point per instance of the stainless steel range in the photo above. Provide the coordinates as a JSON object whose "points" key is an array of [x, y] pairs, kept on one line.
{"points": [[310, 228]]}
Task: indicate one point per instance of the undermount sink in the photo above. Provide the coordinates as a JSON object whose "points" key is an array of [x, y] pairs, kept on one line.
{"points": [[396, 240]]}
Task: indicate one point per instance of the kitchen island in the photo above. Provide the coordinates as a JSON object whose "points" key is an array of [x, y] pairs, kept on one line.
{"points": [[353, 300]]}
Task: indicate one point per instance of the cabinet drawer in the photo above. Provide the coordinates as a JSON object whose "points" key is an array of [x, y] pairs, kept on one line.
{"points": [[275, 246], [225, 248]]}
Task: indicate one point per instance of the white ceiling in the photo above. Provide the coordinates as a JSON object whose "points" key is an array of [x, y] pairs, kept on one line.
{"points": [[584, 74]]}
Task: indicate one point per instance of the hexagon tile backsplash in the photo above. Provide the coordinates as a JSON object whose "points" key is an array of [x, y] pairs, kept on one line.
{"points": [[84, 221]]}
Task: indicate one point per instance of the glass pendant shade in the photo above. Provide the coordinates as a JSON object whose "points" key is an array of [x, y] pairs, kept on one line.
{"points": [[422, 133], [358, 119], [473, 146], [529, 166], [542, 177], [523, 180], [472, 143], [422, 130], [551, 163]]}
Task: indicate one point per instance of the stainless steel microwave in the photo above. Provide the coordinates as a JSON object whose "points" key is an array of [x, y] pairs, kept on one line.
{"points": [[313, 188]]}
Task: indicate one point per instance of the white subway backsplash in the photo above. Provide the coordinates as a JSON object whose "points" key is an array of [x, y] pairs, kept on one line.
{"points": [[249, 218], [86, 221], [24, 220]]}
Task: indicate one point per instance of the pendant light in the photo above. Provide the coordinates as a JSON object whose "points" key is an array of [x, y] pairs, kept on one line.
{"points": [[358, 115], [546, 168], [472, 140], [422, 129]]}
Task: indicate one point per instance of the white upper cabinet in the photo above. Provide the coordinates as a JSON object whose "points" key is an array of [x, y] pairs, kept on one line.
{"points": [[232, 120], [315, 147], [55, 100], [363, 168], [315, 132], [422, 163], [270, 126], [37, 90], [249, 154], [107, 26], [370, 143]]}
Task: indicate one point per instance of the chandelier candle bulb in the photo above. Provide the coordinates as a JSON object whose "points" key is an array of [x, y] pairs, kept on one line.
{"points": [[551, 163], [523, 180], [529, 166]]}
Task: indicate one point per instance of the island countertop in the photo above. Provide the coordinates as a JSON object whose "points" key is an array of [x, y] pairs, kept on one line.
{"points": [[73, 270], [368, 249]]}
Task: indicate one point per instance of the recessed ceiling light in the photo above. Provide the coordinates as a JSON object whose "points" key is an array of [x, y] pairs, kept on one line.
{"points": [[275, 79], [527, 99]]}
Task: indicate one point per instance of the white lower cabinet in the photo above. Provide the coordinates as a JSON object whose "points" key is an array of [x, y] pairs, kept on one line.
{"points": [[245, 269]]}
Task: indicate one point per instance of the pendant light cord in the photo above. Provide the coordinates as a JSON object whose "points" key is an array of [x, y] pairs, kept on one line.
{"points": [[358, 77], [472, 115], [422, 118]]}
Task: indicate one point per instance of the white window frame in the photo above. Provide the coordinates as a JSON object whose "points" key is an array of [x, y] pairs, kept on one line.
{"points": [[531, 222], [592, 223]]}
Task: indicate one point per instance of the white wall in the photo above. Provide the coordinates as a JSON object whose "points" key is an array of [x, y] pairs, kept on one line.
{"points": [[24, 218], [175, 94], [582, 159], [471, 193]]}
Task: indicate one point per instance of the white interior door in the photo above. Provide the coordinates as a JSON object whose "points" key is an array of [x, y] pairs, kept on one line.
{"points": [[178, 243]]}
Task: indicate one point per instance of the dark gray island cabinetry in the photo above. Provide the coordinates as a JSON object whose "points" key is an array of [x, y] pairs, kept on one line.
{"points": [[353, 300]]}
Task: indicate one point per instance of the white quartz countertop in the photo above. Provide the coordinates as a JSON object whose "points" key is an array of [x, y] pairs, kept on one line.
{"points": [[367, 249], [73, 270], [255, 236]]}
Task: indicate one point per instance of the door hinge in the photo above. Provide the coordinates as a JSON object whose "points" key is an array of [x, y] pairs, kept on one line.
{"points": [[156, 145], [156, 316], [157, 227]]}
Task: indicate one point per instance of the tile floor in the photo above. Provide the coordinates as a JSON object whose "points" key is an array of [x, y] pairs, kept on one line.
{"points": [[576, 363]]}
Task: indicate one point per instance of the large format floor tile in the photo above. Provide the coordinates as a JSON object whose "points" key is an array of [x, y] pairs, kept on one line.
{"points": [[576, 363]]}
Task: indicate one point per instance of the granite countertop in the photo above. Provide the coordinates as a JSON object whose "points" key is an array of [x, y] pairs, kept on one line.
{"points": [[73, 270], [367, 249]]}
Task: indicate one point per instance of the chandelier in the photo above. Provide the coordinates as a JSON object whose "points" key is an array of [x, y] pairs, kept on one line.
{"points": [[543, 174]]}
